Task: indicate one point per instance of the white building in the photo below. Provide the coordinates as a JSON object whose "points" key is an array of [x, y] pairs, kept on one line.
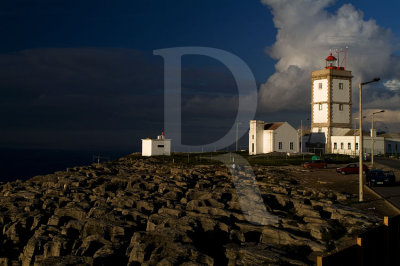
{"points": [[159, 146], [331, 101], [331, 115], [272, 137], [392, 143], [348, 143], [331, 120]]}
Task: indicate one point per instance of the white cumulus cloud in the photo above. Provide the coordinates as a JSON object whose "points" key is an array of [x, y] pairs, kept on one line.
{"points": [[306, 31], [393, 84]]}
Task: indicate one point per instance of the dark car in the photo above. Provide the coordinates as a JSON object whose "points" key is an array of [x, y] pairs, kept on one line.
{"points": [[315, 164], [380, 177], [351, 168]]}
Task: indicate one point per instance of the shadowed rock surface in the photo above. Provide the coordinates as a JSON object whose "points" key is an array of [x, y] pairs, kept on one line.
{"points": [[142, 211]]}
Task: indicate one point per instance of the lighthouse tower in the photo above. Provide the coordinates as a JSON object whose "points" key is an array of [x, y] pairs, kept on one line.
{"points": [[331, 100]]}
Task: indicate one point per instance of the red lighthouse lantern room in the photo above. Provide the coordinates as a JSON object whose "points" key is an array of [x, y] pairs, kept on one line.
{"points": [[331, 62]]}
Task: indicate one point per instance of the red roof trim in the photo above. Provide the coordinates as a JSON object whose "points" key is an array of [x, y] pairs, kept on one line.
{"points": [[330, 58]]}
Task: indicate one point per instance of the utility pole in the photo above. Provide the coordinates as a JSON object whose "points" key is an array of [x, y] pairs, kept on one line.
{"points": [[237, 135], [360, 151], [301, 138], [355, 134], [373, 138], [360, 166]]}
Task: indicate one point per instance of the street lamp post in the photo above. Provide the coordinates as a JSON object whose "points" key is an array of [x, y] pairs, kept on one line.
{"points": [[237, 135], [360, 165], [355, 134], [373, 138], [301, 135]]}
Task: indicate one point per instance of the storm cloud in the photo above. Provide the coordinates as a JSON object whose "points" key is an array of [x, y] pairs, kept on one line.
{"points": [[105, 98]]}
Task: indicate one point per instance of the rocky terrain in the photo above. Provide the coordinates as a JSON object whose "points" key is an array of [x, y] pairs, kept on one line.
{"points": [[144, 211]]}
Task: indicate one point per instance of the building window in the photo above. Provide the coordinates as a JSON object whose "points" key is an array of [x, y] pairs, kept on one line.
{"points": [[252, 136], [160, 146], [356, 146], [280, 145], [340, 86], [252, 147], [389, 147], [340, 107], [319, 130], [335, 146], [291, 145], [320, 106], [341, 146], [320, 85], [349, 146]]}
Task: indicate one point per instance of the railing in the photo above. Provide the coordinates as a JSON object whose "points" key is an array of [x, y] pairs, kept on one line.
{"points": [[378, 246]]}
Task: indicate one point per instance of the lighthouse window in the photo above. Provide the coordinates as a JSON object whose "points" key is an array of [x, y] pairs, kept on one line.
{"points": [[320, 85], [340, 86], [160, 146], [320, 106], [340, 107]]}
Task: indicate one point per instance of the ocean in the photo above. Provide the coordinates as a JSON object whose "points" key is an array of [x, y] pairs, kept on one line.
{"points": [[25, 163]]}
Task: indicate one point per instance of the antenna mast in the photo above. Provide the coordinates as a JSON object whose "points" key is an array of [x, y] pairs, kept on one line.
{"points": [[342, 65]]}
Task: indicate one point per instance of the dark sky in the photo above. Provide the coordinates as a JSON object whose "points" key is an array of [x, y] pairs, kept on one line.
{"points": [[81, 74]]}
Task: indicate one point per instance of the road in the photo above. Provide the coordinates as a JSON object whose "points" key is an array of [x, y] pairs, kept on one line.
{"points": [[389, 162], [391, 193]]}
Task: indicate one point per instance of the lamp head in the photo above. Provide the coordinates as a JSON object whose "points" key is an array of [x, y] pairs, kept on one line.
{"points": [[376, 79]]}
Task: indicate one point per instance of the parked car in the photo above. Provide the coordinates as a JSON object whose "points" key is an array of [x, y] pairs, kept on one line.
{"points": [[351, 168], [380, 177], [315, 164], [391, 176]]}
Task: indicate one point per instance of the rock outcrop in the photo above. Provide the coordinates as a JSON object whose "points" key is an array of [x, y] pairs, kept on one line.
{"points": [[143, 211]]}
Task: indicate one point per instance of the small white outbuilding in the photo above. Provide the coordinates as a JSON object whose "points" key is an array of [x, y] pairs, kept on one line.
{"points": [[159, 146], [272, 137]]}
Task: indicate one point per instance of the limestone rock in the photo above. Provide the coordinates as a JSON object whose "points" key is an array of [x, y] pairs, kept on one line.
{"points": [[146, 211]]}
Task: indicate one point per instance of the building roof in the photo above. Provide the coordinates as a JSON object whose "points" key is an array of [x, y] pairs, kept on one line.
{"points": [[352, 132], [147, 139], [390, 135], [273, 125], [343, 132], [330, 58], [356, 132]]}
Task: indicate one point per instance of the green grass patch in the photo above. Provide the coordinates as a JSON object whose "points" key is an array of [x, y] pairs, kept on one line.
{"points": [[209, 158]]}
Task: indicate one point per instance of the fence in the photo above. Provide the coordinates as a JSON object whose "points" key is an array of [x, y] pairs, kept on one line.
{"points": [[378, 246]]}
